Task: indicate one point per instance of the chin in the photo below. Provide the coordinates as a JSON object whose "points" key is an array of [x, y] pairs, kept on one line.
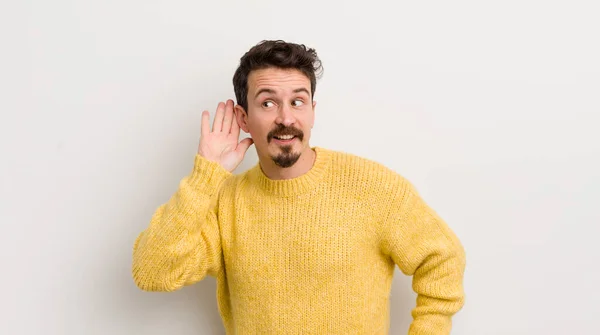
{"points": [[286, 160], [286, 156]]}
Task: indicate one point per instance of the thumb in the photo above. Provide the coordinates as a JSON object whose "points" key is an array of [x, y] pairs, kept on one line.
{"points": [[244, 145]]}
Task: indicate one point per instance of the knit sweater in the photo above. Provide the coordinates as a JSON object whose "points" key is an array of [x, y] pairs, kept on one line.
{"points": [[313, 255]]}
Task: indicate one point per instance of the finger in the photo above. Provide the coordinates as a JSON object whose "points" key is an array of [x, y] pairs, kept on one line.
{"points": [[244, 145], [205, 127], [218, 122], [228, 116]]}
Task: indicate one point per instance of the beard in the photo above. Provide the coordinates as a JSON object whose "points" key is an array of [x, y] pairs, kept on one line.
{"points": [[286, 158]]}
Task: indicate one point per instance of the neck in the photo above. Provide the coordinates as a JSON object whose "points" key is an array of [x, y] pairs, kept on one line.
{"points": [[302, 166]]}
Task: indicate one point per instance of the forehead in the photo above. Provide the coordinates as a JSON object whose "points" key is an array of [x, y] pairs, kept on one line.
{"points": [[277, 80]]}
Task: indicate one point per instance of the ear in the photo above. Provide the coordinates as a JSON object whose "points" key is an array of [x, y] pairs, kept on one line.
{"points": [[242, 118]]}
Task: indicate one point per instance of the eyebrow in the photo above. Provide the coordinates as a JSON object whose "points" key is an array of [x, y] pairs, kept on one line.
{"points": [[270, 91]]}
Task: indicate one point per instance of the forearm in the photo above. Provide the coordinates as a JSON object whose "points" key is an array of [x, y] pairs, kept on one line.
{"points": [[181, 241], [423, 246], [438, 284]]}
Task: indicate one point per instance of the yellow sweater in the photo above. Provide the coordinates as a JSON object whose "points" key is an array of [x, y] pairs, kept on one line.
{"points": [[311, 255]]}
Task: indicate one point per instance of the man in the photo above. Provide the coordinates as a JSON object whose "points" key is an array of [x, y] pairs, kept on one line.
{"points": [[307, 240]]}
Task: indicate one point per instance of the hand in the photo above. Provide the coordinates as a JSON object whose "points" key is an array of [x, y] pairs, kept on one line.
{"points": [[221, 144]]}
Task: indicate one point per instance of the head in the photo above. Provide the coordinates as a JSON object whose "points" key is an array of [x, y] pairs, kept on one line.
{"points": [[274, 87]]}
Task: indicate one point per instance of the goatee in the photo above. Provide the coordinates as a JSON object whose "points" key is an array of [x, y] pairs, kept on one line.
{"points": [[287, 158]]}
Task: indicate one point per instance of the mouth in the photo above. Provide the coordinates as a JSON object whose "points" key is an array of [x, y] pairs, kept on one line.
{"points": [[284, 139]]}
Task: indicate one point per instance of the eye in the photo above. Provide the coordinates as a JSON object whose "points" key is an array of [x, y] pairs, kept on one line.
{"points": [[268, 104], [297, 103]]}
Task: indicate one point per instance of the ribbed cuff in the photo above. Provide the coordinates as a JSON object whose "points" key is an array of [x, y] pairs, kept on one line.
{"points": [[207, 175]]}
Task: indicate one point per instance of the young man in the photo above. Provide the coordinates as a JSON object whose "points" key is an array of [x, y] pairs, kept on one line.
{"points": [[308, 239]]}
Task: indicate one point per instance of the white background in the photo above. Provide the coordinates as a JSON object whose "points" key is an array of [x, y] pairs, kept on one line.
{"points": [[489, 107]]}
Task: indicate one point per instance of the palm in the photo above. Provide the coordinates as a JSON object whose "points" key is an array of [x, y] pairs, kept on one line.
{"points": [[221, 143]]}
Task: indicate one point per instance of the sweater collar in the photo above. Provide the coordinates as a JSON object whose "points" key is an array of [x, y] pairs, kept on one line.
{"points": [[300, 184]]}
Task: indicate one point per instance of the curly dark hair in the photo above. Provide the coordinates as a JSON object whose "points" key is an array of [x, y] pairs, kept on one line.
{"points": [[278, 54]]}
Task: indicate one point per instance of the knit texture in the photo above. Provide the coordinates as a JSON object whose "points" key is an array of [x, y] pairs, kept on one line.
{"points": [[309, 255]]}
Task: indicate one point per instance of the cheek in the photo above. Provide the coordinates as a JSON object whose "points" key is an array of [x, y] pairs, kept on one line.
{"points": [[258, 131], [308, 122]]}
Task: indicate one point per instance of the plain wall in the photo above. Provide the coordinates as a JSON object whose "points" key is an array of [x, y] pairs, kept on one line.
{"points": [[489, 108]]}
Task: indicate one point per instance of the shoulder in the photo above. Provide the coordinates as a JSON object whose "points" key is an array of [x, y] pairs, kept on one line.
{"points": [[372, 181], [369, 171]]}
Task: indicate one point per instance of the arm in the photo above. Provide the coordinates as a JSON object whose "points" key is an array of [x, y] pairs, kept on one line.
{"points": [[182, 243], [422, 245]]}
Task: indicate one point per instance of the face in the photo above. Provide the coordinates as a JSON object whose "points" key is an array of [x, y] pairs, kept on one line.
{"points": [[280, 114]]}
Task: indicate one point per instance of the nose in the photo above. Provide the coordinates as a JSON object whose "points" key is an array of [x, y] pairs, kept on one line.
{"points": [[286, 116]]}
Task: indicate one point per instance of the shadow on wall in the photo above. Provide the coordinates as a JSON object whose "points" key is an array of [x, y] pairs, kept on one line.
{"points": [[191, 310]]}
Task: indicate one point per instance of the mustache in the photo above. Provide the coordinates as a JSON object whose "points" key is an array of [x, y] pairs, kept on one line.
{"points": [[282, 130]]}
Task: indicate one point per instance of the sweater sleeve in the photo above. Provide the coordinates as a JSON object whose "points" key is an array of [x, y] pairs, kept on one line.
{"points": [[422, 245], [181, 245]]}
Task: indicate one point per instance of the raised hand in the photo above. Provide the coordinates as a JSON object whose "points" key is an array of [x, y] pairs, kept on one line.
{"points": [[221, 144]]}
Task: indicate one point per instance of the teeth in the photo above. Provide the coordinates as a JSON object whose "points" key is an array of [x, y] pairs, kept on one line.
{"points": [[285, 137]]}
